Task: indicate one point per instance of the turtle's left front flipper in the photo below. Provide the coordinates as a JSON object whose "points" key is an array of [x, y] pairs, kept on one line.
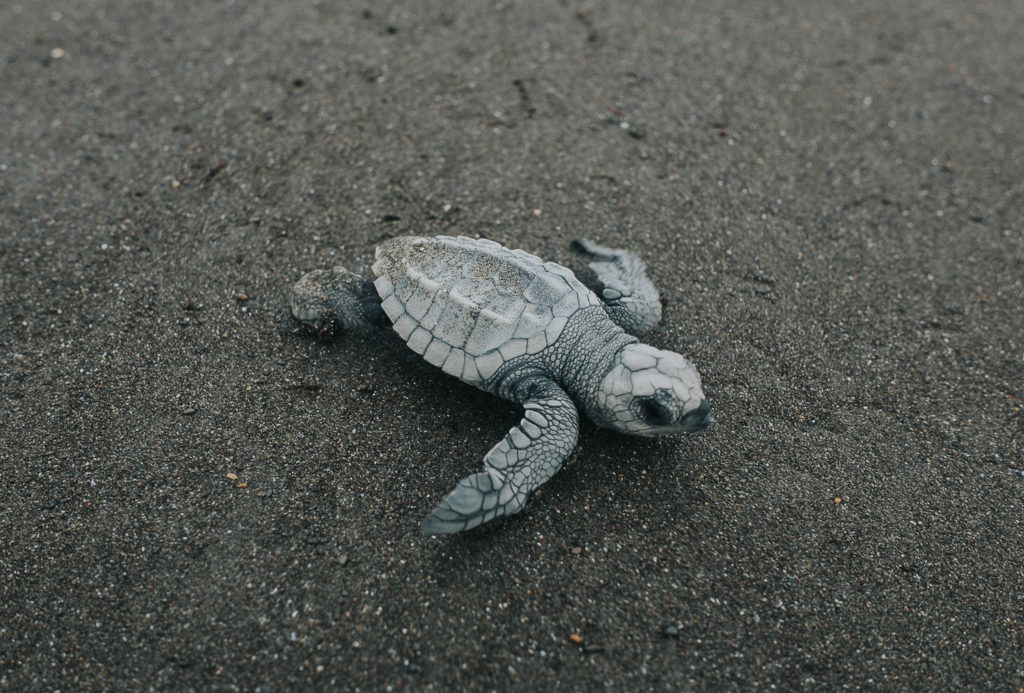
{"points": [[527, 456], [630, 298]]}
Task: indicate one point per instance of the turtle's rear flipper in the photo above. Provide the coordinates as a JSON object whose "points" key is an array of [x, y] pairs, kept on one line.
{"points": [[332, 301], [629, 296], [526, 457]]}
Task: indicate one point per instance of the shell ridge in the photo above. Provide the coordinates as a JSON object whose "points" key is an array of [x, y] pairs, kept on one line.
{"points": [[488, 302]]}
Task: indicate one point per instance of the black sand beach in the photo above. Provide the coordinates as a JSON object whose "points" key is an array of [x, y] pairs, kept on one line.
{"points": [[196, 495]]}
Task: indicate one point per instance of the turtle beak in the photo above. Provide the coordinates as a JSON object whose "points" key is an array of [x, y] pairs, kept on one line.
{"points": [[698, 419]]}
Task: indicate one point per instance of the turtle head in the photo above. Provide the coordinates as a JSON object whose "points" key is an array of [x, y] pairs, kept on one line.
{"points": [[651, 392]]}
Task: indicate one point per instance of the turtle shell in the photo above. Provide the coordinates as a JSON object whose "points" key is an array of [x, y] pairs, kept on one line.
{"points": [[469, 305]]}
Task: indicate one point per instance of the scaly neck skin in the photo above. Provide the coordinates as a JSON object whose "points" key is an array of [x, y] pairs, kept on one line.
{"points": [[590, 346]]}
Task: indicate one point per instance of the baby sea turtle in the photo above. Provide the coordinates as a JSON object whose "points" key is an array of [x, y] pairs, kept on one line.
{"points": [[526, 330]]}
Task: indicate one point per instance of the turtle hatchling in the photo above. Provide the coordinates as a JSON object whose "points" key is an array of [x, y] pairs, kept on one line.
{"points": [[526, 330]]}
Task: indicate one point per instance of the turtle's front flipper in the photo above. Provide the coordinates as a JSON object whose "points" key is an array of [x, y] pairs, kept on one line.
{"points": [[336, 300], [526, 457], [630, 298]]}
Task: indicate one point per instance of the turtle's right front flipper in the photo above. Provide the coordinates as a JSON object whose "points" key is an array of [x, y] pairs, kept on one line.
{"points": [[630, 298], [527, 456], [336, 300]]}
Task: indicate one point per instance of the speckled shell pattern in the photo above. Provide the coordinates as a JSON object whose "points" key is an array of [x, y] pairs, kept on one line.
{"points": [[469, 305]]}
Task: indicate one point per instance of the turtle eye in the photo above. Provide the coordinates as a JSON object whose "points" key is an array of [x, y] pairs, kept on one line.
{"points": [[654, 412]]}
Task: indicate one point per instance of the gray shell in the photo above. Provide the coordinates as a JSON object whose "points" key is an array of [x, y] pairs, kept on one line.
{"points": [[469, 305]]}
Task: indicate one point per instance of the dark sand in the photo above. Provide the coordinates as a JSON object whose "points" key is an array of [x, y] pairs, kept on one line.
{"points": [[196, 495]]}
